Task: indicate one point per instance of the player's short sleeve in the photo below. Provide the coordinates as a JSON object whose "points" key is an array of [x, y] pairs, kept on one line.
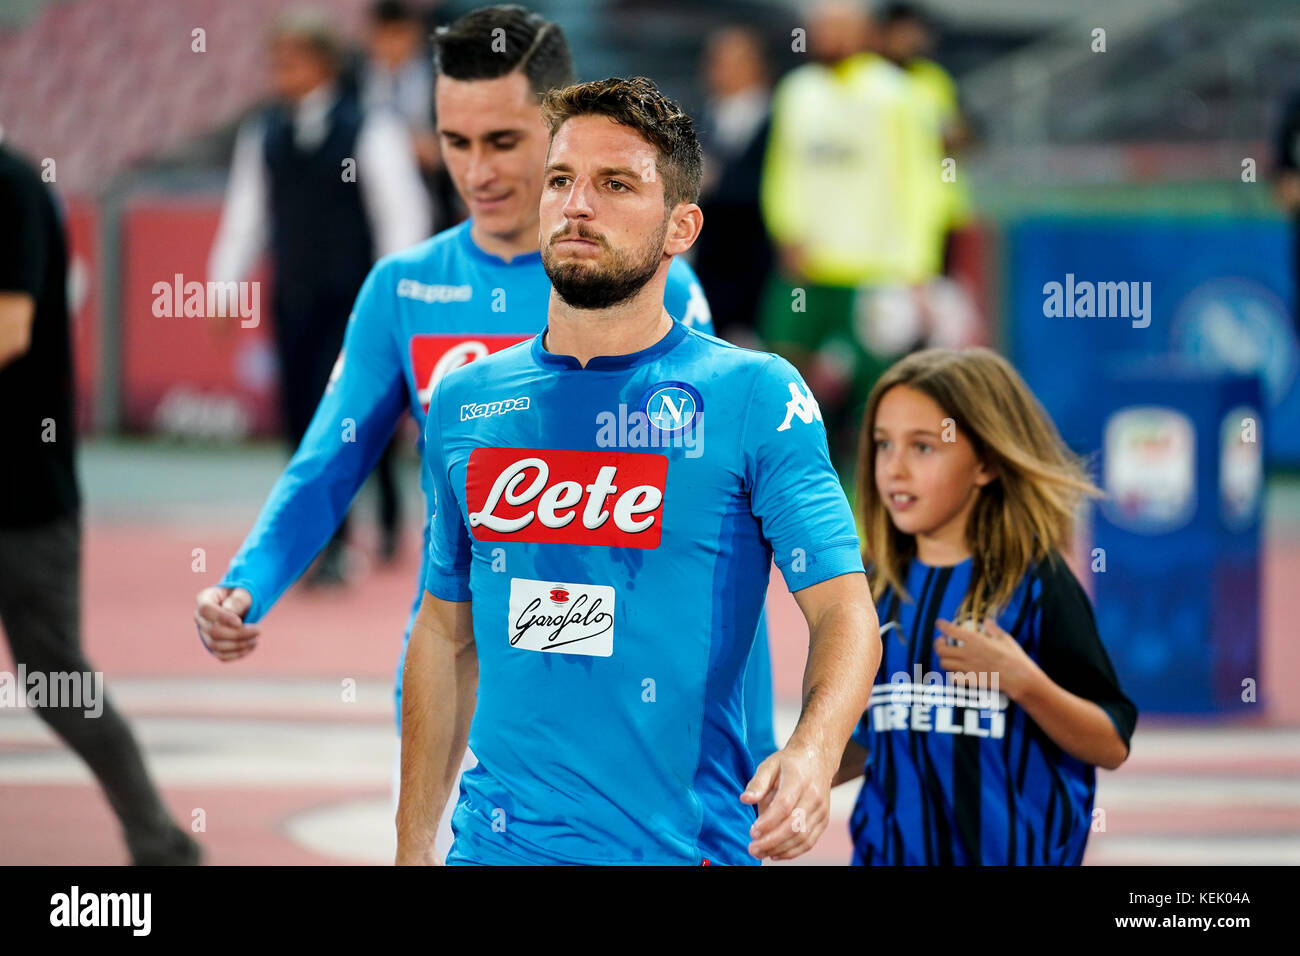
{"points": [[447, 574], [794, 491], [1070, 649], [24, 240]]}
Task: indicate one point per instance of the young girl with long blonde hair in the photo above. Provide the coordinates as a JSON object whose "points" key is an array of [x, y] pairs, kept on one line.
{"points": [[995, 700]]}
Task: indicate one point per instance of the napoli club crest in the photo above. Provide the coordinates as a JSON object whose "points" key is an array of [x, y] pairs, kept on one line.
{"points": [[672, 406]]}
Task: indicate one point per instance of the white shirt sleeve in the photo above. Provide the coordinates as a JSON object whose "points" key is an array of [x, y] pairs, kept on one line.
{"points": [[241, 236], [391, 189]]}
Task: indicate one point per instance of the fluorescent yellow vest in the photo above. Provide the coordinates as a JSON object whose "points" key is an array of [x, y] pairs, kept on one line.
{"points": [[938, 94], [846, 174]]}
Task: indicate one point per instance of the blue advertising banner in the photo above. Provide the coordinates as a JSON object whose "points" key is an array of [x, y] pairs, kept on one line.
{"points": [[1175, 560], [1218, 294]]}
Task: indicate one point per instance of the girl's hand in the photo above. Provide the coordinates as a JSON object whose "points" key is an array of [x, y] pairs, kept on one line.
{"points": [[989, 651]]}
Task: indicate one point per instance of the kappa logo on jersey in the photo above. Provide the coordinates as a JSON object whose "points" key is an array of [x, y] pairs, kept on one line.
{"points": [[433, 356], [493, 408], [410, 289], [697, 307], [801, 405], [336, 372], [550, 496], [561, 618]]}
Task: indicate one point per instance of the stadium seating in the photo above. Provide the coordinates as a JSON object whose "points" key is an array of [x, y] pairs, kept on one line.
{"points": [[100, 85]]}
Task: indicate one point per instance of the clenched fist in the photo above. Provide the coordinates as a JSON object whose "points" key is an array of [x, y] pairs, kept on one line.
{"points": [[219, 614]]}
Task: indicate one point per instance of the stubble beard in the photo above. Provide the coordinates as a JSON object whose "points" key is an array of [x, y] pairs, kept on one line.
{"points": [[584, 285]]}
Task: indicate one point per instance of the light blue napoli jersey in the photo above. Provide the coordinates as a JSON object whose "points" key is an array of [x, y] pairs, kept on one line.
{"points": [[614, 527], [420, 313]]}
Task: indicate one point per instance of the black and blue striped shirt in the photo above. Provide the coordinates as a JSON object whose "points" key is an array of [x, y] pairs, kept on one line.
{"points": [[959, 774]]}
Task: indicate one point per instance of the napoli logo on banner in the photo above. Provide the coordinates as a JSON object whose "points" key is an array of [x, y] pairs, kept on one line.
{"points": [[1241, 468], [1150, 469], [1238, 325], [672, 406]]}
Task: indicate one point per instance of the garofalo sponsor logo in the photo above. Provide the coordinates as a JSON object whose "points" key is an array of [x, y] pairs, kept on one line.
{"points": [[1104, 300], [561, 618], [75, 908], [78, 690]]}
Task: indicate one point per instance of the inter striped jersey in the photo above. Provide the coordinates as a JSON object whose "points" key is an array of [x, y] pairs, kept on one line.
{"points": [[956, 772]]}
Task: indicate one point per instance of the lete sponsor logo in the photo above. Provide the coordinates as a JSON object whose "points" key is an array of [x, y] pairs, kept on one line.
{"points": [[549, 496], [561, 618], [433, 356]]}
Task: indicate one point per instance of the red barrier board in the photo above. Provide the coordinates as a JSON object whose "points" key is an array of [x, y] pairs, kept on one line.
{"points": [[185, 372]]}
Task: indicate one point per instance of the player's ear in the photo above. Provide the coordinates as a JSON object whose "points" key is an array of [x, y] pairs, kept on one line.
{"points": [[685, 221]]}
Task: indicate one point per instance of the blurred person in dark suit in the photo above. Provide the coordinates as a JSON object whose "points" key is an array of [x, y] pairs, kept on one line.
{"points": [[396, 73], [333, 189], [40, 519], [734, 256]]}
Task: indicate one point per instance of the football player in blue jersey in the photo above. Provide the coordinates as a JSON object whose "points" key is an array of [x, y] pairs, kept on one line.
{"points": [[609, 498], [470, 290]]}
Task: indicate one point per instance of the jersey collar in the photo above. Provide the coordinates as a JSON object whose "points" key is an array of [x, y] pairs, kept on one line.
{"points": [[473, 250], [606, 363]]}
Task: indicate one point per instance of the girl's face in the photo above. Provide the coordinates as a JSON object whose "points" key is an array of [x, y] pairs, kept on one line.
{"points": [[928, 485]]}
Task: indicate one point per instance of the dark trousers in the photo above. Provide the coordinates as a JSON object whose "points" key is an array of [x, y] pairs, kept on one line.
{"points": [[386, 482], [40, 610]]}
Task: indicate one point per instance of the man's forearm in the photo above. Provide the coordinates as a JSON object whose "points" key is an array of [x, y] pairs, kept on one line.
{"points": [[17, 310], [1078, 726], [438, 686], [843, 655]]}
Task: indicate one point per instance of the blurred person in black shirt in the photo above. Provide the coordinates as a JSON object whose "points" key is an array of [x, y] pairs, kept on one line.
{"points": [[1286, 184], [40, 524], [734, 256]]}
